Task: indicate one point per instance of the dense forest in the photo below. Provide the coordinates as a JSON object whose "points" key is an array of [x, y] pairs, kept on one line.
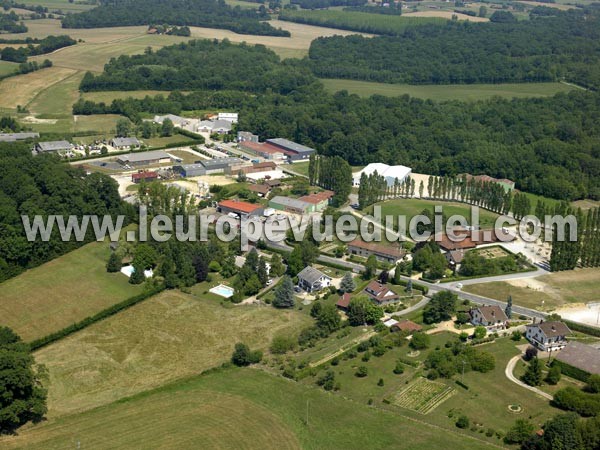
{"points": [[200, 64], [41, 47], [44, 185], [9, 23], [566, 46], [199, 13]]}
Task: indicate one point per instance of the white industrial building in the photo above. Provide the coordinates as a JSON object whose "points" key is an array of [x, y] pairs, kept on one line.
{"points": [[390, 173]]}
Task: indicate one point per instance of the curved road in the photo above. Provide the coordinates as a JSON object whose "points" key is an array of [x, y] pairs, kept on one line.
{"points": [[510, 367]]}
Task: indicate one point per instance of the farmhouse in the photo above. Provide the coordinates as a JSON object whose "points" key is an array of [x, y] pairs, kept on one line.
{"points": [[144, 175], [53, 146], [125, 143], [492, 317], [390, 173], [178, 121], [407, 326], [384, 253], [548, 335], [294, 152], [266, 166], [239, 208], [263, 150], [468, 239], [581, 356], [311, 279], [380, 293], [344, 301], [292, 205], [12, 137], [144, 158], [214, 126], [246, 136], [262, 190], [319, 200]]}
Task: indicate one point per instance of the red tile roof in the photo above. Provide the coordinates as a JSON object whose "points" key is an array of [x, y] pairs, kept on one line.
{"points": [[407, 325], [144, 175], [317, 197], [344, 301], [380, 292], [262, 147], [260, 188], [375, 247], [239, 206]]}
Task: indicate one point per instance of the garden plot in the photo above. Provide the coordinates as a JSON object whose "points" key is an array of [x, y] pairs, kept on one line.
{"points": [[423, 396]]}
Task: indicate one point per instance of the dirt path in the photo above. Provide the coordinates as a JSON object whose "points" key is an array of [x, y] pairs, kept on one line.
{"points": [[510, 367]]}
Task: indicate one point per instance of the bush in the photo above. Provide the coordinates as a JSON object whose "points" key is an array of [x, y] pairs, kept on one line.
{"points": [[463, 422], [530, 353], [380, 382], [361, 372], [327, 380], [243, 356], [399, 369], [593, 384], [420, 341], [282, 344], [553, 376], [516, 336]]}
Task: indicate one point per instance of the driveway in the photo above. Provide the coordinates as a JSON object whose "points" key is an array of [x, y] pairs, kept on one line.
{"points": [[510, 367]]}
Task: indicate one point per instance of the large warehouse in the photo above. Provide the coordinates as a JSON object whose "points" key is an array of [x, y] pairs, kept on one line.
{"points": [[390, 173], [295, 152], [145, 158]]}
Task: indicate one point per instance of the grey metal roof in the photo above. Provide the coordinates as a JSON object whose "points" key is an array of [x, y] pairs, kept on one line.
{"points": [[311, 275], [125, 142], [54, 146], [214, 124], [220, 162], [145, 156], [11, 137], [290, 202], [292, 146]]}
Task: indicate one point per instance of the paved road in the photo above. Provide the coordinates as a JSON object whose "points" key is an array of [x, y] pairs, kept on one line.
{"points": [[415, 307], [510, 367]]}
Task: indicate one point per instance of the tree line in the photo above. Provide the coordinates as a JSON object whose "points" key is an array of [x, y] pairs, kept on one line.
{"points": [[198, 13], [331, 173], [41, 47], [565, 46]]}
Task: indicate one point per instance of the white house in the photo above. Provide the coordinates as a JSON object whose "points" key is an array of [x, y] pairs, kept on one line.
{"points": [[228, 116], [492, 317], [548, 335], [390, 173], [311, 279]]}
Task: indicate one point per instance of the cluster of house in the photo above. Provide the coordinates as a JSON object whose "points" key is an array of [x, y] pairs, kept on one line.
{"points": [[278, 149], [221, 123]]}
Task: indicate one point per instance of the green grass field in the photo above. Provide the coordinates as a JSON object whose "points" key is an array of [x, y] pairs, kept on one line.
{"points": [[462, 92], [167, 337], [61, 292], [239, 408], [7, 67], [357, 21], [413, 207], [108, 96], [554, 290]]}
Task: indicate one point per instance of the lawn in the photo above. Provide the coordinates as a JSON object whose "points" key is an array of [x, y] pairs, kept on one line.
{"points": [[439, 92], [167, 337], [239, 408], [108, 96], [61, 292], [555, 290], [413, 207], [57, 100]]}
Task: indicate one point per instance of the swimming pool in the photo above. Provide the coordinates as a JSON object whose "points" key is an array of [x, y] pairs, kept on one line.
{"points": [[222, 290]]}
